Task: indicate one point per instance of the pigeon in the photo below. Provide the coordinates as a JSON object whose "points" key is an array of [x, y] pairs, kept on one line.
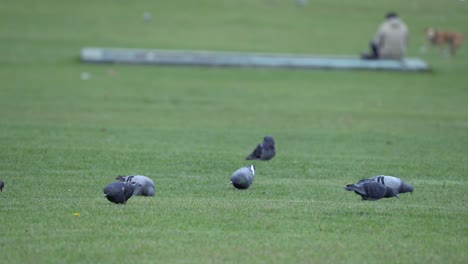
{"points": [[243, 177], [119, 192], [392, 182], [1, 185], [264, 150], [144, 187], [371, 190]]}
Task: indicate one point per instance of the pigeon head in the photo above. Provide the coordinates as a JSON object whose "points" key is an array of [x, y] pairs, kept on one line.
{"points": [[269, 139], [405, 187]]}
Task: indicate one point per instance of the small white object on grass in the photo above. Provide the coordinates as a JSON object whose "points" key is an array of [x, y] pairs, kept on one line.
{"points": [[147, 16], [85, 76]]}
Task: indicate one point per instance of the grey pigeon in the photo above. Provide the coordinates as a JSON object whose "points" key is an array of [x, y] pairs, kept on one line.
{"points": [[371, 190], [243, 177], [119, 192], [1, 185], [144, 185], [392, 182], [264, 151]]}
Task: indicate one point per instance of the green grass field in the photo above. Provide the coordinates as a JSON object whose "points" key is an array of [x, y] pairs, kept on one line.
{"points": [[63, 138]]}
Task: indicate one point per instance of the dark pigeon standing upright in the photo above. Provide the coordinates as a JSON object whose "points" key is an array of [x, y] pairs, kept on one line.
{"points": [[393, 182], [371, 190], [264, 151], [119, 192], [2, 184], [243, 177], [144, 187]]}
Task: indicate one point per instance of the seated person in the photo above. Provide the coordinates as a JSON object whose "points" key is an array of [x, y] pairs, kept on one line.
{"points": [[390, 41]]}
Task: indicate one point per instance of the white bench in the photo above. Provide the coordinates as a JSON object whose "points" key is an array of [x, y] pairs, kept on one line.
{"points": [[244, 59]]}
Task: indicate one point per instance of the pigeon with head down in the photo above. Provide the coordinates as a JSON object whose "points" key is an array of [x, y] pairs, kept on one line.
{"points": [[243, 177], [2, 184], [119, 192], [263, 151], [393, 182], [371, 190]]}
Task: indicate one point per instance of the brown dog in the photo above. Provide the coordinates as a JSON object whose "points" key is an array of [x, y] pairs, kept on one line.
{"points": [[440, 38]]}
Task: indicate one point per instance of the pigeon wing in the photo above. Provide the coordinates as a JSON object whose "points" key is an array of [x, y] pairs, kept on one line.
{"points": [[268, 152], [375, 190], [127, 191], [256, 154]]}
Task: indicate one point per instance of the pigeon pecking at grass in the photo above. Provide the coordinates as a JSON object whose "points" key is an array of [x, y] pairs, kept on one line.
{"points": [[243, 177], [264, 151], [119, 192], [2, 184], [371, 190], [393, 182], [144, 187]]}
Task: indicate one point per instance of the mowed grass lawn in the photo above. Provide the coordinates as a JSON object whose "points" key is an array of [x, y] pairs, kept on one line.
{"points": [[63, 138]]}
